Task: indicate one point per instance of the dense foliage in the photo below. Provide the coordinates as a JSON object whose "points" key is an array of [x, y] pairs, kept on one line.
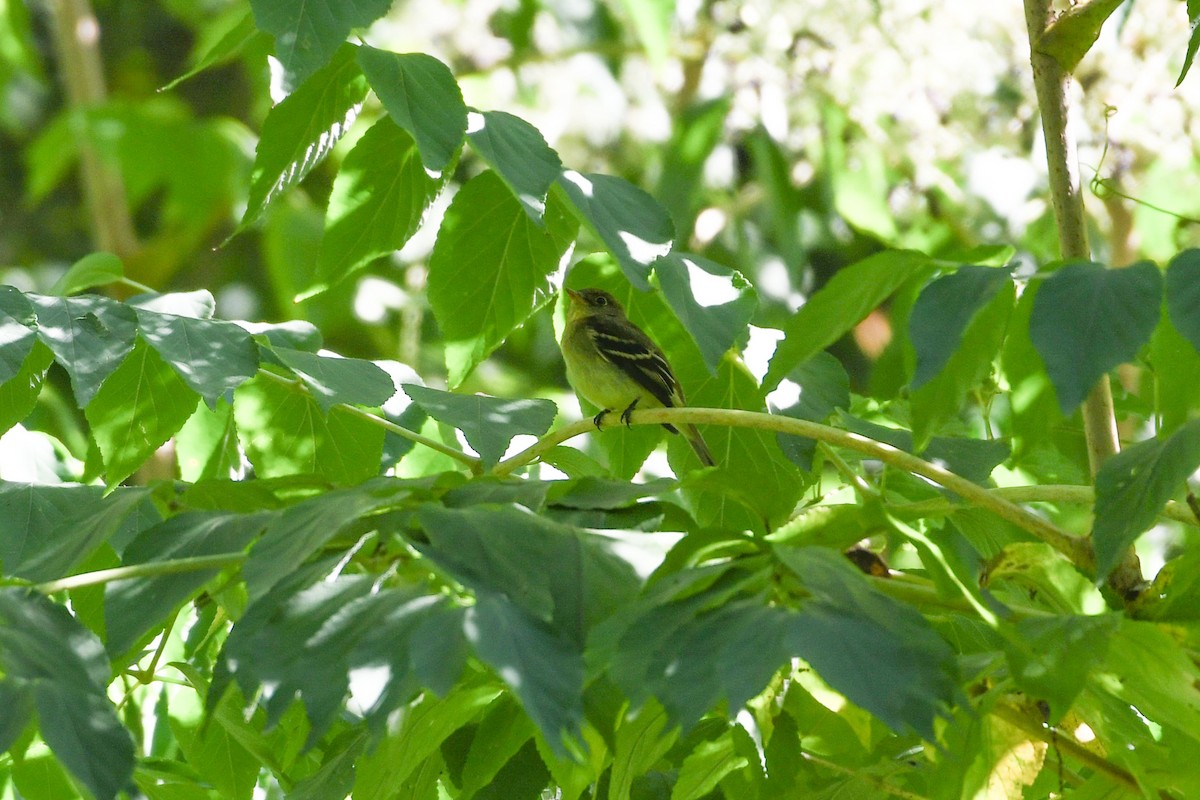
{"points": [[238, 564]]}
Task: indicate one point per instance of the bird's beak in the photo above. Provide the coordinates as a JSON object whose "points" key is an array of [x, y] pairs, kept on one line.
{"points": [[575, 296]]}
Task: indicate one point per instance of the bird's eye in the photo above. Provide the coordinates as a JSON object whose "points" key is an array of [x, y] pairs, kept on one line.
{"points": [[601, 300]]}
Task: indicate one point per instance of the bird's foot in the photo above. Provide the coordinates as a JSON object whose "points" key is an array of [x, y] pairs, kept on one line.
{"points": [[629, 410], [599, 418]]}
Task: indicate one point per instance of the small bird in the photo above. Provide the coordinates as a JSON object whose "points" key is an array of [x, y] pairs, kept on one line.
{"points": [[613, 364]]}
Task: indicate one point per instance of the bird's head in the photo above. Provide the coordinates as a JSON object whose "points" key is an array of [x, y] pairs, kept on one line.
{"points": [[591, 302]]}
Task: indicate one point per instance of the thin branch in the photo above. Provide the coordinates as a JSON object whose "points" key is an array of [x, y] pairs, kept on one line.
{"points": [[471, 462], [1193, 506], [1066, 194], [150, 569], [1078, 550], [77, 46], [1051, 493], [874, 780], [865, 490], [1067, 744], [921, 592]]}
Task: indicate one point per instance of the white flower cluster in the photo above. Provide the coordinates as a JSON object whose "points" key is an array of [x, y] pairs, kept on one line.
{"points": [[942, 89]]}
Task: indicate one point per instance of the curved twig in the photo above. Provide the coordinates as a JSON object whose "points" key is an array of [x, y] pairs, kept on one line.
{"points": [[1078, 550]]}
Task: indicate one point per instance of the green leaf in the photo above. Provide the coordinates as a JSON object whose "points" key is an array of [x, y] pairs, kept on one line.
{"points": [[519, 155], [17, 702], [488, 423], [241, 34], [199, 304], [841, 304], [974, 459], [141, 405], [28, 514], [837, 526], [335, 778], [542, 669], [18, 331], [421, 96], [498, 491], [40, 640], [439, 649], [295, 642], [705, 766], [819, 386], [573, 463], [301, 130], [744, 642], [1035, 572], [86, 736], [713, 302], [1175, 592], [47, 530], [1134, 485], [1036, 417], [1175, 365], [631, 223], [941, 397], [652, 22], [206, 447], [1148, 669], [315, 637], [302, 529], [90, 336], [338, 380], [218, 756], [784, 755], [568, 578], [603, 493], [502, 732], [1072, 34], [639, 647], [641, 742], [847, 623], [490, 270], [423, 730], [133, 607], [1192, 46], [285, 432], [308, 34], [1052, 657], [1183, 294], [379, 196], [943, 312], [697, 131], [420, 641], [43, 778], [861, 185], [524, 777], [213, 357], [41, 643], [756, 486], [295, 333], [94, 269], [19, 394], [1087, 319]]}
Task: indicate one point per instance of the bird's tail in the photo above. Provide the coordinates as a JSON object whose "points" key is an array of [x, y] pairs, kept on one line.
{"points": [[692, 434]]}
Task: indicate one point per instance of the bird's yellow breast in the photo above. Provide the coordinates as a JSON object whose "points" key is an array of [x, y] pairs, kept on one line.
{"points": [[600, 382]]}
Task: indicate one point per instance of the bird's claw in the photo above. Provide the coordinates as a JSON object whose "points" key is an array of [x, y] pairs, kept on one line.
{"points": [[629, 410], [599, 418]]}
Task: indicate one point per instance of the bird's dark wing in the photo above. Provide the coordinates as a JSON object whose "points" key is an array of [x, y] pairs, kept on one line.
{"points": [[635, 354]]}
